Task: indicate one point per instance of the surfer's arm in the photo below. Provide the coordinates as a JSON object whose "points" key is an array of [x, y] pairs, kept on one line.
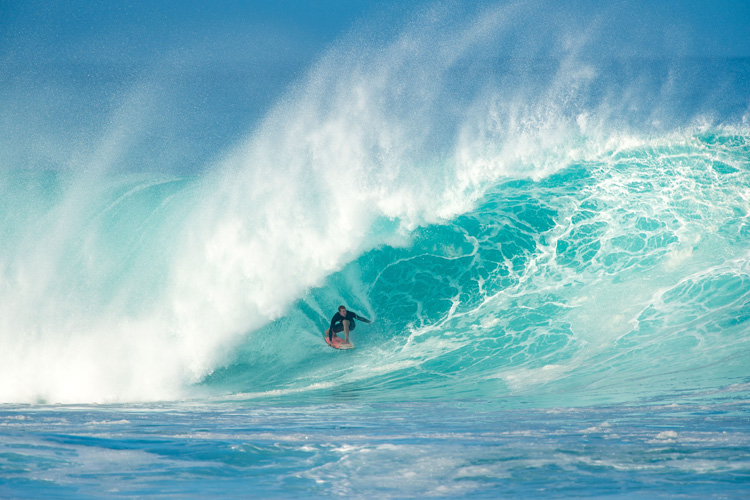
{"points": [[333, 321], [362, 319]]}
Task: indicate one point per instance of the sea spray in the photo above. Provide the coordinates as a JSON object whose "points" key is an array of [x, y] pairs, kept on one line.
{"points": [[379, 178]]}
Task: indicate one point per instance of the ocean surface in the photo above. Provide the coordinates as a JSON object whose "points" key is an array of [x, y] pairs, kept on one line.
{"points": [[550, 234]]}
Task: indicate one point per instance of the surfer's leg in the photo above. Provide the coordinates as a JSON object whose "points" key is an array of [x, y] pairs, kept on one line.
{"points": [[329, 334], [346, 330]]}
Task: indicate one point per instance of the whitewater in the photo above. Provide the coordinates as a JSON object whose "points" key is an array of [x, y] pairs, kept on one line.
{"points": [[554, 247]]}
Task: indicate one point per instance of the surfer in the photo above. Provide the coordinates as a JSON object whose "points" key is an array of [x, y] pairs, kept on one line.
{"points": [[343, 321]]}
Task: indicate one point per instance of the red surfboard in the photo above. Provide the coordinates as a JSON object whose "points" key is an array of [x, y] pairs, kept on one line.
{"points": [[338, 343]]}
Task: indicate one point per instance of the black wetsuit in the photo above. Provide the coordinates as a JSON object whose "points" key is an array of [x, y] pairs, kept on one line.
{"points": [[337, 322]]}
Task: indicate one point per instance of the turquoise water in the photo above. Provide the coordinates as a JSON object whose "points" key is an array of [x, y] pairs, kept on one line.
{"points": [[552, 240], [615, 279]]}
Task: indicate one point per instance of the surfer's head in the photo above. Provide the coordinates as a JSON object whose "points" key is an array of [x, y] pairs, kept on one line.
{"points": [[342, 310]]}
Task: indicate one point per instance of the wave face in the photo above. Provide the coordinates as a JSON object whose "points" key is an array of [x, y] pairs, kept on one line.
{"points": [[521, 220], [616, 279]]}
